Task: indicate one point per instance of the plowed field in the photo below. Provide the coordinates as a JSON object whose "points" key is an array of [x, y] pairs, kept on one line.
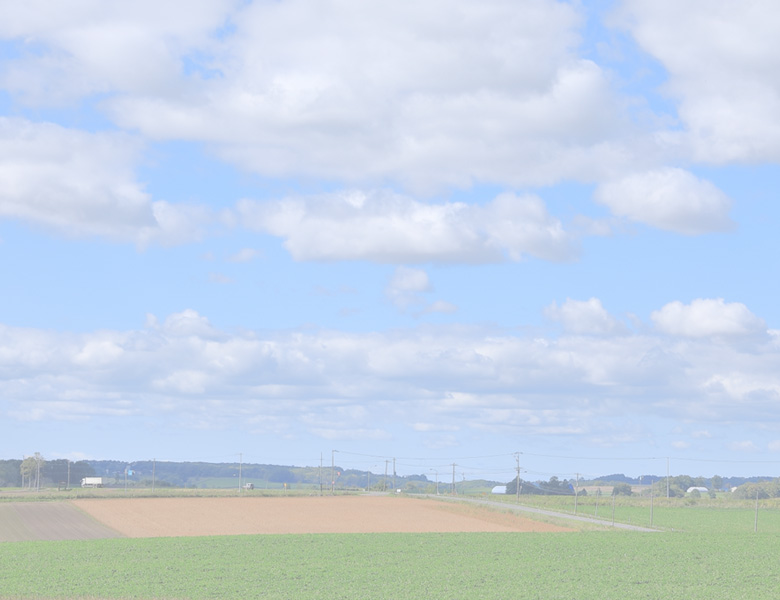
{"points": [[166, 517], [24, 521]]}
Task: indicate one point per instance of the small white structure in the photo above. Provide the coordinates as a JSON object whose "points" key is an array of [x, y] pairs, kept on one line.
{"points": [[701, 490], [499, 489], [92, 482]]}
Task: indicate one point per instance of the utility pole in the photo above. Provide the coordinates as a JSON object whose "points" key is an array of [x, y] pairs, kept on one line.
{"points": [[384, 485], [393, 475], [576, 491], [240, 464], [667, 477], [454, 493], [67, 486], [755, 522], [651, 505], [154, 468], [517, 483], [332, 472], [320, 473]]}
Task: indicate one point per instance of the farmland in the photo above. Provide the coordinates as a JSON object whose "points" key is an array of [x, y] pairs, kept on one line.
{"points": [[452, 565], [490, 563]]}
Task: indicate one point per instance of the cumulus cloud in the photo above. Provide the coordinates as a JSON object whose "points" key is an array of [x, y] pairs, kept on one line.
{"points": [[437, 95], [406, 286], [406, 291], [309, 382], [722, 58], [584, 317], [91, 47], [82, 184], [705, 317], [386, 227], [668, 198]]}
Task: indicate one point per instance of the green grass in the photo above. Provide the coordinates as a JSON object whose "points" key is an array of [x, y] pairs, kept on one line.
{"points": [[593, 565], [716, 516]]}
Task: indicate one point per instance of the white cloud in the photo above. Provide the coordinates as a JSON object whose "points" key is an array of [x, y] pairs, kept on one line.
{"points": [[88, 46], [432, 96], [406, 286], [82, 184], [722, 58], [244, 255], [668, 198], [706, 317], [462, 379], [584, 317], [744, 446], [441, 306], [385, 227], [409, 280]]}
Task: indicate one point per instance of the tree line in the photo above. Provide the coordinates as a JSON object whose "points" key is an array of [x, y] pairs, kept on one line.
{"points": [[35, 471]]}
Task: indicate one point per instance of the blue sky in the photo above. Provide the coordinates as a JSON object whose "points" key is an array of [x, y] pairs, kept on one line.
{"points": [[444, 234]]}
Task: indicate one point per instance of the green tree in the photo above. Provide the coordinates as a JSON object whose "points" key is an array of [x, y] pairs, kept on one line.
{"points": [[622, 489], [27, 469], [31, 470]]}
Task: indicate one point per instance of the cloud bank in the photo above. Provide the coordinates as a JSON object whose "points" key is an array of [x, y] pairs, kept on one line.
{"points": [[461, 379]]}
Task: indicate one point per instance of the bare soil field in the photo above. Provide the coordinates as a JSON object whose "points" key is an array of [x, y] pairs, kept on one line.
{"points": [[169, 517], [25, 521]]}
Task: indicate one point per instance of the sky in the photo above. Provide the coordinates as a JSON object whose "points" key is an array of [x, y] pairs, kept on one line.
{"points": [[514, 232]]}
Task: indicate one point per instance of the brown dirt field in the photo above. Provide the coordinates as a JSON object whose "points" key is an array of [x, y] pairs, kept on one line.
{"points": [[170, 517], [26, 521]]}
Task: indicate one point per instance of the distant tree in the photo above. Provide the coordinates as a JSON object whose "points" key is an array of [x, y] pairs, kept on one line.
{"points": [[31, 470], [763, 489], [622, 489], [716, 483], [10, 474], [27, 469]]}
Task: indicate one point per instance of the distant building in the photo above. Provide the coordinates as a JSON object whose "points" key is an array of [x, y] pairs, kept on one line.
{"points": [[701, 490], [499, 489]]}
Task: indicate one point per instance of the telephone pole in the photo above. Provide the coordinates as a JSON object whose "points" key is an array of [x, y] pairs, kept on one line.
{"points": [[576, 491], [517, 483], [667, 477], [454, 493]]}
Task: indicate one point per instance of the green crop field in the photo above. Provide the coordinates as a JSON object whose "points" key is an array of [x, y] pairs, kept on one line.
{"points": [[570, 565], [717, 516]]}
